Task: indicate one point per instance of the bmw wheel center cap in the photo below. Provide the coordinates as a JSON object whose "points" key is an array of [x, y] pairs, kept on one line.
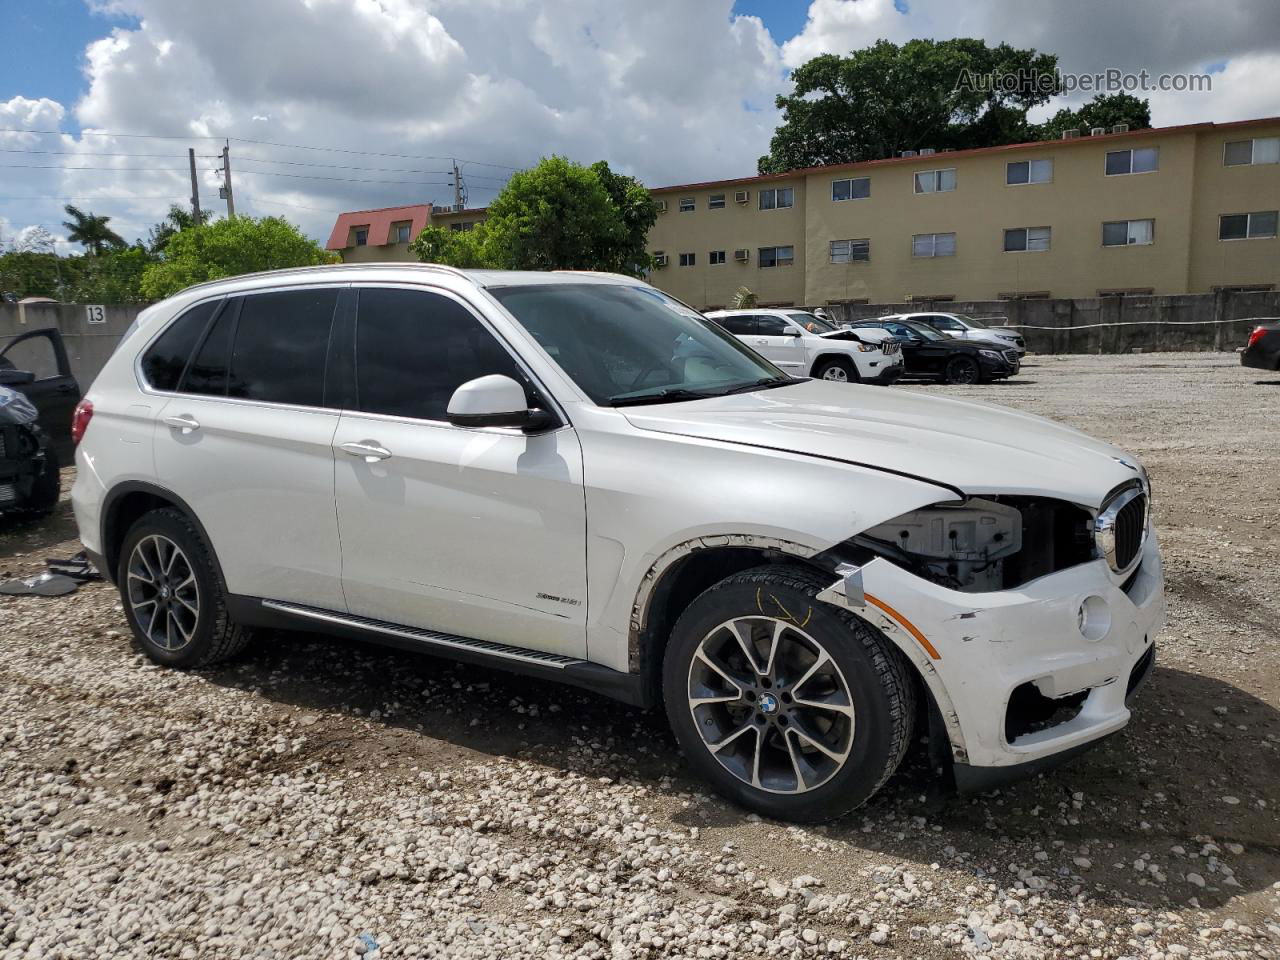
{"points": [[768, 703]]}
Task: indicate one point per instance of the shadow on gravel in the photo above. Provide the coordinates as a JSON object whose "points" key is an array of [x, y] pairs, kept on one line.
{"points": [[23, 535], [1159, 784]]}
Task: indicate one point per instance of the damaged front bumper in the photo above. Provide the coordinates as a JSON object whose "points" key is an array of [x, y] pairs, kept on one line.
{"points": [[1074, 639]]}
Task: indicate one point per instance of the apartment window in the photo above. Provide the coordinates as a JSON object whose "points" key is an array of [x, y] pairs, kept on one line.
{"points": [[1127, 292], [402, 232], [715, 201], [777, 256], [936, 181], [362, 237], [1026, 239], [686, 205], [462, 227], [1032, 295], [1247, 226], [1259, 150], [777, 199], [1142, 160], [716, 257], [850, 251], [1028, 171], [688, 259], [857, 188], [1123, 233], [933, 245]]}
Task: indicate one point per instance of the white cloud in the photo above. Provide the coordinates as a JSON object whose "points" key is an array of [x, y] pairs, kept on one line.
{"points": [[669, 90]]}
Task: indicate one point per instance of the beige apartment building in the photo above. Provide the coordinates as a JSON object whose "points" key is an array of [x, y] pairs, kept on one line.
{"points": [[1166, 211], [1172, 210]]}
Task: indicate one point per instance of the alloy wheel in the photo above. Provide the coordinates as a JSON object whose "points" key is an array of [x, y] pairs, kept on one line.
{"points": [[163, 593], [771, 705], [835, 372], [963, 370]]}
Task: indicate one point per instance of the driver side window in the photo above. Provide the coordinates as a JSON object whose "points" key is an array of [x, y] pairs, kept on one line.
{"points": [[768, 326], [944, 323]]}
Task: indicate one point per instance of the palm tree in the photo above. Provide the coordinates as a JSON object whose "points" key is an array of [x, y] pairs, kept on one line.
{"points": [[743, 299], [90, 230]]}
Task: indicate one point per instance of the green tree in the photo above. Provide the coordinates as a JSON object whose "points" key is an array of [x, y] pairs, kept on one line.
{"points": [[228, 248], [453, 248], [178, 218], [743, 299], [886, 98], [29, 273], [555, 216], [639, 212], [111, 277], [1104, 110], [91, 231]]}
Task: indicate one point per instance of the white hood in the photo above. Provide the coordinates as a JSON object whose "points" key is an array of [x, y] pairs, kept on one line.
{"points": [[978, 448]]}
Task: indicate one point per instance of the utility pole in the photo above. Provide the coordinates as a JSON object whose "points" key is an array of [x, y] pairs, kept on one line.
{"points": [[195, 188], [458, 201], [226, 180]]}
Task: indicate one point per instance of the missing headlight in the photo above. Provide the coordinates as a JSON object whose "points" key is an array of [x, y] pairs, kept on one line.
{"points": [[982, 544]]}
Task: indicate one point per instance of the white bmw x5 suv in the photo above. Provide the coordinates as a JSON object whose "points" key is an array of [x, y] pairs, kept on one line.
{"points": [[576, 476]]}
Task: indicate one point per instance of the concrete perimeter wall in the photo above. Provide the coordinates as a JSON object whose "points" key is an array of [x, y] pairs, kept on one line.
{"points": [[1217, 321], [89, 345]]}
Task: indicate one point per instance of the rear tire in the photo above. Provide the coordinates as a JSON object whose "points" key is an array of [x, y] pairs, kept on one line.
{"points": [[963, 370], [837, 369], [814, 724], [172, 593]]}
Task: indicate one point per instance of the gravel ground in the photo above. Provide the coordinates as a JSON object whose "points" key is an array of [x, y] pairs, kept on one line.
{"points": [[322, 799]]}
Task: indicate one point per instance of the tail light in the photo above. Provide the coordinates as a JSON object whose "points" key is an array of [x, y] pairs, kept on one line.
{"points": [[1258, 333], [80, 420]]}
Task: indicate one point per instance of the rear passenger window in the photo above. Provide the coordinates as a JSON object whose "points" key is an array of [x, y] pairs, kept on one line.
{"points": [[163, 363], [280, 346], [769, 326], [208, 371], [414, 349], [739, 326]]}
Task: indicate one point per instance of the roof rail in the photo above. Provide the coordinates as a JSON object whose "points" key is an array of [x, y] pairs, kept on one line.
{"points": [[326, 267]]}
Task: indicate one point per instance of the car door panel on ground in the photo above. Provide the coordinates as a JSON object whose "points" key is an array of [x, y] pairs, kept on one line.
{"points": [[474, 532], [51, 388], [253, 395], [777, 340]]}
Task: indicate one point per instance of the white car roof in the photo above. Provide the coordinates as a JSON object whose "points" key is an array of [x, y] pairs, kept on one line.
{"points": [[775, 311]]}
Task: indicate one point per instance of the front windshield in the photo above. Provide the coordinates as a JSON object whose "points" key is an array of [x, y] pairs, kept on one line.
{"points": [[813, 323], [630, 344], [924, 330]]}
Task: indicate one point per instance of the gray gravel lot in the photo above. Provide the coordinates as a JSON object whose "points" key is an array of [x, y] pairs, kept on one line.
{"points": [[322, 799]]}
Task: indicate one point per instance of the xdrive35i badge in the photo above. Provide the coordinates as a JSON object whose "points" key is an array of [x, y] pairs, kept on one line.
{"points": [[569, 600]]}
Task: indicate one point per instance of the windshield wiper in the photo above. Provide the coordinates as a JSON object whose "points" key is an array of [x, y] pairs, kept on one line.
{"points": [[668, 395], [764, 383]]}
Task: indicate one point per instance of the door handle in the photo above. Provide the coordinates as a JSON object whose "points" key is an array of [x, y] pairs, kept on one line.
{"points": [[368, 450], [763, 342], [185, 423]]}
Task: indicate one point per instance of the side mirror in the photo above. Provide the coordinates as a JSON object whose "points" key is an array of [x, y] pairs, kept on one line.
{"points": [[792, 332], [494, 401], [16, 378]]}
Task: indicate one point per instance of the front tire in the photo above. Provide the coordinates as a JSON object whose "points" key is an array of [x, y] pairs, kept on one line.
{"points": [[172, 594], [837, 369], [785, 704], [963, 370]]}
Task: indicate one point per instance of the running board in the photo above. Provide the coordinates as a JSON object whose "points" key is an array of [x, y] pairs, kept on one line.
{"points": [[627, 687]]}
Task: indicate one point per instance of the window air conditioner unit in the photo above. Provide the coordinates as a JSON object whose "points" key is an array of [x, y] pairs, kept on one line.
{"points": [[907, 153], [1071, 134], [659, 259], [742, 256], [948, 149], [742, 196], [1097, 131], [662, 206], [927, 151], [1120, 128]]}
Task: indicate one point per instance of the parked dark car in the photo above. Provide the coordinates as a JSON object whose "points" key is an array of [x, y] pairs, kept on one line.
{"points": [[38, 395], [928, 353], [1263, 351]]}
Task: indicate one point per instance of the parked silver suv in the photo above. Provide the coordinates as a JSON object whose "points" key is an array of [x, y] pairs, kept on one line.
{"points": [[576, 476]]}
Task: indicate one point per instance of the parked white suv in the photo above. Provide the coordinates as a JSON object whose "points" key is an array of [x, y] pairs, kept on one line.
{"points": [[807, 345], [964, 327], [577, 477]]}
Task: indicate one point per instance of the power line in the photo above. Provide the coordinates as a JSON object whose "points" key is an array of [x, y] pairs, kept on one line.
{"points": [[264, 143]]}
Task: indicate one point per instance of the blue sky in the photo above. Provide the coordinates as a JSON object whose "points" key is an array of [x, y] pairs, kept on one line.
{"points": [[44, 46]]}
